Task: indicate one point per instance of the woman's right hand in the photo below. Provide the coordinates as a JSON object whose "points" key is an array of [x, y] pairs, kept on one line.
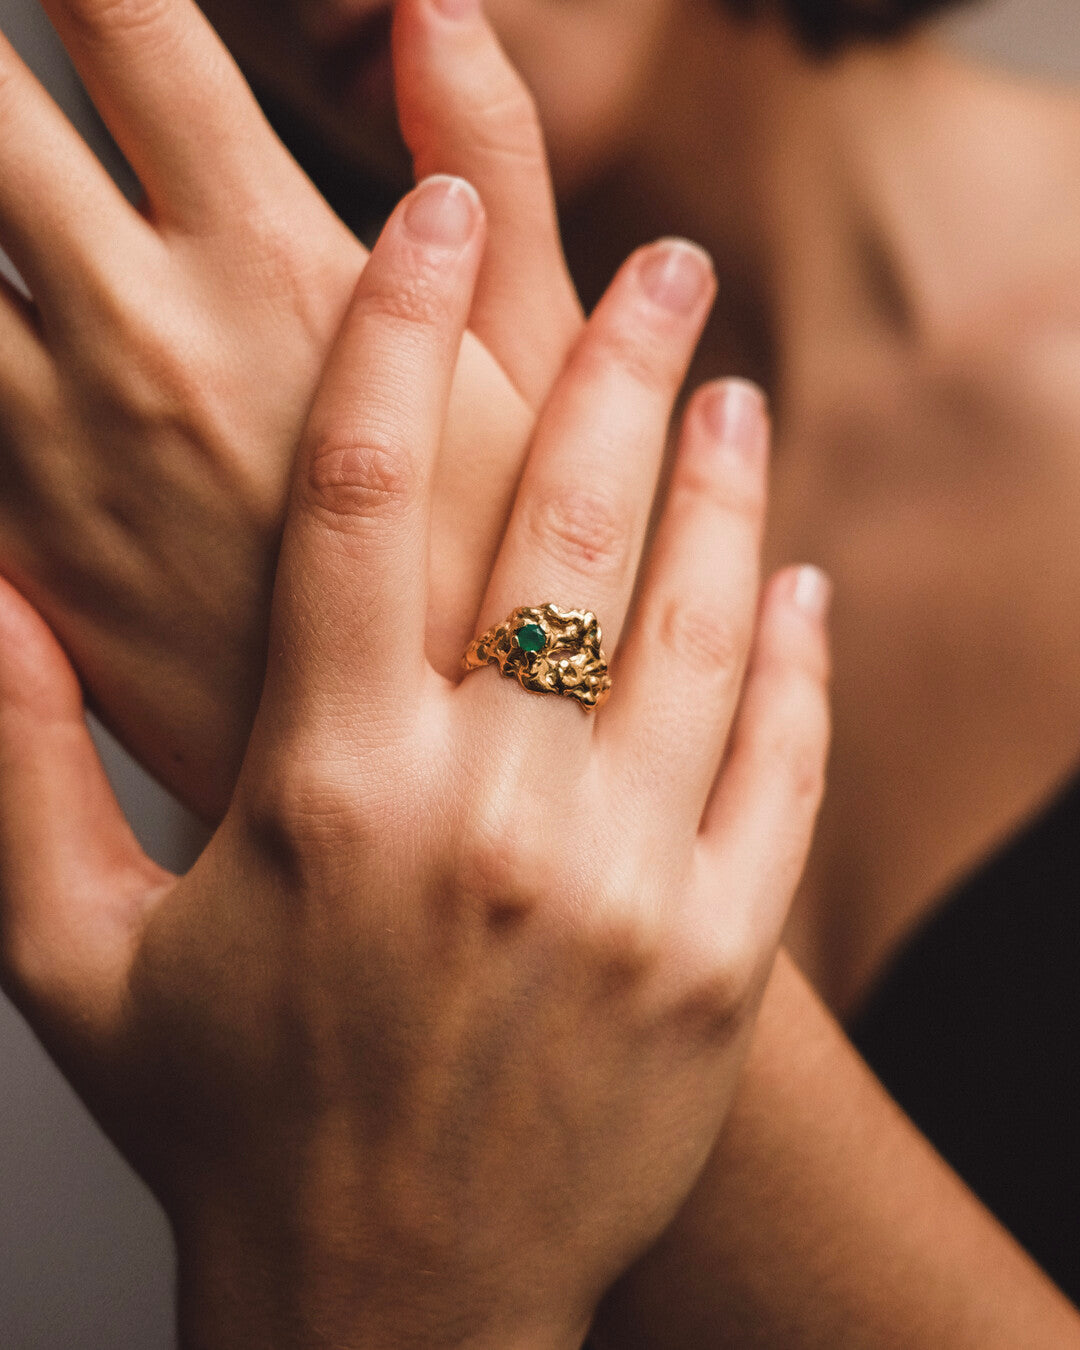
{"points": [[153, 389], [436, 1036]]}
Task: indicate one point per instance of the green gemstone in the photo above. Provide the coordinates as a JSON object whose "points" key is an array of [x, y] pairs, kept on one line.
{"points": [[530, 637]]}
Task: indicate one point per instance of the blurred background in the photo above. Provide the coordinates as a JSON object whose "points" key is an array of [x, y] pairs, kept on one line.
{"points": [[85, 1256]]}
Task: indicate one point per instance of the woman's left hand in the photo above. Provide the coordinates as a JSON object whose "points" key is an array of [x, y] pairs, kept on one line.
{"points": [[437, 1034]]}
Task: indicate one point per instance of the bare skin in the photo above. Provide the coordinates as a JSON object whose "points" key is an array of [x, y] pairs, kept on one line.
{"points": [[957, 556], [153, 386], [958, 707], [428, 1046], [947, 364], [923, 367], [861, 1128], [896, 237], [825, 1222]]}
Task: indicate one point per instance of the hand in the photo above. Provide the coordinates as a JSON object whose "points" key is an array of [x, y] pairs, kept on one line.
{"points": [[438, 1032], [152, 393]]}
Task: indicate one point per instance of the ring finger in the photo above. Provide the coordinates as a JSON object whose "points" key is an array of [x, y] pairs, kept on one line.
{"points": [[576, 530]]}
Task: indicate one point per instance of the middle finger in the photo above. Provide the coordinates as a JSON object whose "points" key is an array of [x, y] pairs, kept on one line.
{"points": [[63, 221], [576, 530], [176, 104]]}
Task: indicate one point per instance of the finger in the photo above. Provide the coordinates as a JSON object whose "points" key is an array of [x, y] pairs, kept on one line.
{"points": [[62, 219], [465, 110], [173, 99], [576, 530], [351, 592], [74, 883], [682, 661], [757, 827], [488, 430]]}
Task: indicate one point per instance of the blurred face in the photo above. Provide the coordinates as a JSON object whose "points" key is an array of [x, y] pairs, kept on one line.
{"points": [[587, 62]]}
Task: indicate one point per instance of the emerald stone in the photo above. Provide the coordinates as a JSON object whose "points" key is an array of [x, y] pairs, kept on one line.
{"points": [[530, 637]]}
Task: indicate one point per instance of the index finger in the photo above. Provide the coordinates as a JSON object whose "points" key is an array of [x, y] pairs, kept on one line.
{"points": [[350, 602]]}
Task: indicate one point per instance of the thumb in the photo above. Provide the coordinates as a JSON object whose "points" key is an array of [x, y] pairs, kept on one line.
{"points": [[74, 883], [464, 110]]}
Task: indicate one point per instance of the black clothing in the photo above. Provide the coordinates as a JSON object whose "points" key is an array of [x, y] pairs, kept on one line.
{"points": [[975, 1030]]}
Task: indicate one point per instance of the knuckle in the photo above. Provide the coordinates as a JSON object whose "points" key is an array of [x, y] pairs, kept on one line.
{"points": [[138, 370], [301, 811], [705, 637], [308, 278], [94, 18], [720, 996], [582, 528], [626, 939], [720, 485], [171, 398], [506, 123], [495, 873], [416, 301], [797, 744], [721, 970], [629, 354], [358, 478], [805, 766]]}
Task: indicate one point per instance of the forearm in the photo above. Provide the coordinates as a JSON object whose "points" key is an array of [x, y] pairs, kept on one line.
{"points": [[824, 1219]]}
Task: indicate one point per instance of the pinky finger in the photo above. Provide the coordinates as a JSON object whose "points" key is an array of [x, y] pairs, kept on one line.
{"points": [[758, 824]]}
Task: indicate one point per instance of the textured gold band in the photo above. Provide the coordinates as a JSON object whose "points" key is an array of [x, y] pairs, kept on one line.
{"points": [[548, 651]]}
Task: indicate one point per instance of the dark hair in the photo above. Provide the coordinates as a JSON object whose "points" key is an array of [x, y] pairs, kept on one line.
{"points": [[825, 25]]}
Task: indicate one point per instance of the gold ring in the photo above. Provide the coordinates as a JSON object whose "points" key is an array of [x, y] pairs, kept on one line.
{"points": [[548, 651]]}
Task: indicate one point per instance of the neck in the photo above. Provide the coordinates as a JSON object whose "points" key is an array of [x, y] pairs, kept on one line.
{"points": [[844, 196]]}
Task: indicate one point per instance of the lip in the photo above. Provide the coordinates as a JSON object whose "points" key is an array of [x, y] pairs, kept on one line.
{"points": [[354, 62]]}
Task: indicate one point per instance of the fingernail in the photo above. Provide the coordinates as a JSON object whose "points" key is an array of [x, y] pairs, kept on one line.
{"points": [[675, 275], [442, 211], [736, 413], [458, 9], [812, 592]]}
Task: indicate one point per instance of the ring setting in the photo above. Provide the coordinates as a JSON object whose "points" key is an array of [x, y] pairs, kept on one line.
{"points": [[548, 650]]}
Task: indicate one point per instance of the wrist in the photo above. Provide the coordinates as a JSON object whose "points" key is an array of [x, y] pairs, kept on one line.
{"points": [[283, 1291], [231, 1320]]}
